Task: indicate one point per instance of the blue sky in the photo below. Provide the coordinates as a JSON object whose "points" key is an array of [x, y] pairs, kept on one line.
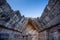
{"points": [[29, 8]]}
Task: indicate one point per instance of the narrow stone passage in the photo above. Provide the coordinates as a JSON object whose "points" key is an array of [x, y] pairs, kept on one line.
{"points": [[13, 26]]}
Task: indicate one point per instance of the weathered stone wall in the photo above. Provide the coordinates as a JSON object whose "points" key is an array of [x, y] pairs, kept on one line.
{"points": [[51, 13], [49, 20], [12, 34], [10, 23], [30, 31]]}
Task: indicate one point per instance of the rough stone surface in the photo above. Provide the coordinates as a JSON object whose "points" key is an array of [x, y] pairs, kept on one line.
{"points": [[15, 26]]}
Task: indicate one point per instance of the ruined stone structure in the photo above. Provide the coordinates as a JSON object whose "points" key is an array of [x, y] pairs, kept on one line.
{"points": [[13, 26]]}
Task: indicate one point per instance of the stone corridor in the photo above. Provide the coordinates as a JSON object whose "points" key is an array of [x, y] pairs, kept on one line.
{"points": [[13, 26]]}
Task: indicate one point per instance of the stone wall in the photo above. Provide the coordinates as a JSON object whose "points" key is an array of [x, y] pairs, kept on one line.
{"points": [[49, 20], [51, 11], [10, 22]]}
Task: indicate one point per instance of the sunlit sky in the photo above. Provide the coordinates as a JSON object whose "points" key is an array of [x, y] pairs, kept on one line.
{"points": [[29, 8]]}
